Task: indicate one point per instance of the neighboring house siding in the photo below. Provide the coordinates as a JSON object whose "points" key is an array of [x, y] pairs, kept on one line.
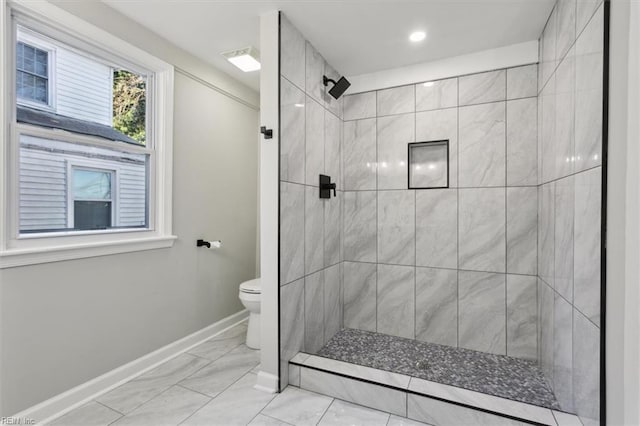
{"points": [[44, 183], [83, 88]]}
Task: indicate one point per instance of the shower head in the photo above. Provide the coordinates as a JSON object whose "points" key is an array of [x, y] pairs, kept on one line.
{"points": [[339, 87]]}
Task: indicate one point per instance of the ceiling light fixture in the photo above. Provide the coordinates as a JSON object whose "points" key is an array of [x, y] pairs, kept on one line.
{"points": [[417, 36], [247, 59]]}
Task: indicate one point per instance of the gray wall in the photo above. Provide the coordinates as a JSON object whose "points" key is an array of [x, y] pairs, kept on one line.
{"points": [[450, 266], [310, 232], [570, 147], [65, 323]]}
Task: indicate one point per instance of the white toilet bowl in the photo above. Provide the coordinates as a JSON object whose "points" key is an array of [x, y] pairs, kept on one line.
{"points": [[250, 295]]}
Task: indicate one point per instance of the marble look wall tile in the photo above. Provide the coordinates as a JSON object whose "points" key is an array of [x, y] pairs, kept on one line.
{"points": [[313, 231], [437, 94], [294, 375], [566, 31], [333, 229], [314, 72], [546, 298], [482, 244], [332, 301], [292, 53], [539, 142], [589, 67], [437, 228], [439, 125], [522, 316], [484, 87], [565, 113], [548, 147], [359, 155], [360, 228], [522, 230], [396, 300], [584, 11], [522, 82], [314, 312], [394, 133], [360, 296], [587, 219], [333, 149], [563, 353], [396, 227], [314, 146], [586, 374], [482, 153], [548, 41], [565, 419], [292, 210], [482, 313], [332, 104], [397, 100], [522, 142], [292, 137], [435, 412], [298, 407], [546, 232], [437, 306], [563, 240], [291, 324], [359, 106]]}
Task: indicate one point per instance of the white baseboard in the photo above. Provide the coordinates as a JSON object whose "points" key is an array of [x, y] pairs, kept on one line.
{"points": [[79, 395], [267, 382]]}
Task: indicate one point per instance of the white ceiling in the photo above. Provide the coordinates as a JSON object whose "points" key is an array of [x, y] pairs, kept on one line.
{"points": [[355, 36]]}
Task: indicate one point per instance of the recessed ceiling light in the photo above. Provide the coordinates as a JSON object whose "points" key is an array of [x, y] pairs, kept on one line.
{"points": [[417, 36], [246, 59]]}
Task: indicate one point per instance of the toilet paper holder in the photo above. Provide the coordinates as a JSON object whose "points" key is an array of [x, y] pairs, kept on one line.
{"points": [[209, 244]]}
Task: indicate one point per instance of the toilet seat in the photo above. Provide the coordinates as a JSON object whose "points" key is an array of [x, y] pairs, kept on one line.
{"points": [[251, 287]]}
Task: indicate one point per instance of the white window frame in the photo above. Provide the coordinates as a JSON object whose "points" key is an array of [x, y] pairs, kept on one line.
{"points": [[18, 250], [73, 165], [31, 39]]}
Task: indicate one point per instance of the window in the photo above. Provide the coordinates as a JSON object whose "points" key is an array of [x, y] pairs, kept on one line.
{"points": [[92, 169]]}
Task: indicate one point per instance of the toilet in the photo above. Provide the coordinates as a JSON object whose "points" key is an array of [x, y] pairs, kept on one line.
{"points": [[250, 292]]}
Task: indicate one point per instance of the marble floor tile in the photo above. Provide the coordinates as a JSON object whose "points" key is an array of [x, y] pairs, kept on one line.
{"points": [[482, 313], [522, 230], [314, 208], [314, 72], [482, 229], [441, 413], [298, 407], [133, 394], [397, 100], [169, 408], [314, 312], [221, 344], [396, 300], [437, 306], [437, 228], [564, 140], [90, 414], [396, 227], [344, 413], [217, 376], [291, 323], [292, 53], [403, 421], [262, 420], [292, 138], [360, 226], [564, 236], [292, 211], [360, 295], [562, 353], [237, 405], [522, 142], [482, 151], [359, 155], [394, 134], [522, 316], [522, 82], [440, 125], [332, 301], [483, 87], [314, 141], [566, 33], [359, 106], [437, 94], [586, 374]]}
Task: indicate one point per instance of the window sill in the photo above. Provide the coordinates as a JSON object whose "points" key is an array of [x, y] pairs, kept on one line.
{"points": [[32, 256]]}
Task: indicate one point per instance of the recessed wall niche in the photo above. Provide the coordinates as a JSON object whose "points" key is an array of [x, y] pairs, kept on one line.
{"points": [[429, 164]]}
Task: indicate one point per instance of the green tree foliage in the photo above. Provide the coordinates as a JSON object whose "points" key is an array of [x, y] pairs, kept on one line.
{"points": [[129, 104]]}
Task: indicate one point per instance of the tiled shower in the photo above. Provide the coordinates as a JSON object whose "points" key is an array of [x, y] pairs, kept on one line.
{"points": [[503, 262]]}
